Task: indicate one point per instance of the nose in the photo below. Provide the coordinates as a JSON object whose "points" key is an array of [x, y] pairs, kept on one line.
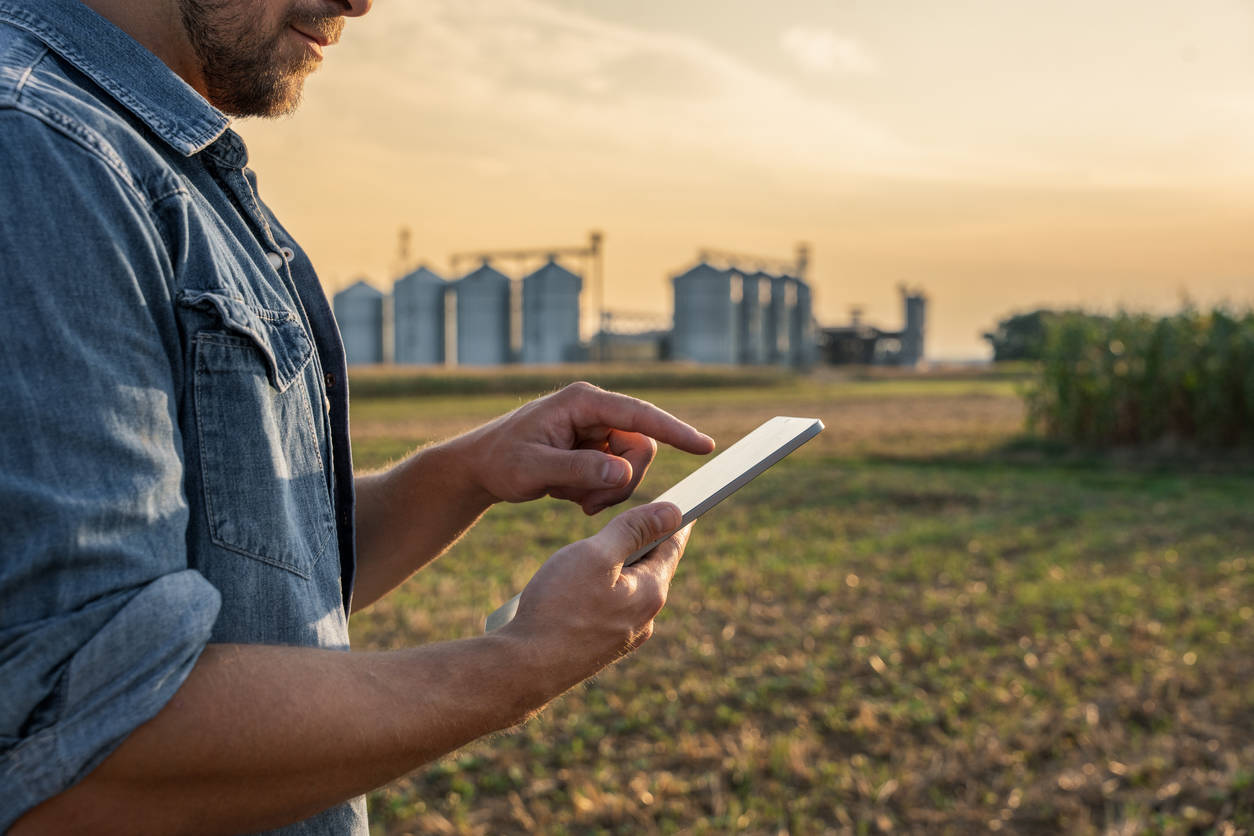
{"points": [[356, 8]]}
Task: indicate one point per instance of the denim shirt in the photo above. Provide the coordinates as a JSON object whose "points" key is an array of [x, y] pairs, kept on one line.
{"points": [[174, 459]]}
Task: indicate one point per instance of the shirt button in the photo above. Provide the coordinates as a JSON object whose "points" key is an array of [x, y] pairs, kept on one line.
{"points": [[288, 253], [276, 260]]}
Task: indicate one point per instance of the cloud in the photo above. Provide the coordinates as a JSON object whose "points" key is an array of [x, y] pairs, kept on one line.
{"points": [[825, 52], [530, 73]]}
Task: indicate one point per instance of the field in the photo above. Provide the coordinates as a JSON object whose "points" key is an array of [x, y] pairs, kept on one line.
{"points": [[921, 622]]}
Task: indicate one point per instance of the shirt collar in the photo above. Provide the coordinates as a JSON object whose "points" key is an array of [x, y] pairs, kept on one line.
{"points": [[136, 78]]}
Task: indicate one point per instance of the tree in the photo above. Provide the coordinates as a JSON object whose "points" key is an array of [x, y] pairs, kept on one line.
{"points": [[1022, 336]]}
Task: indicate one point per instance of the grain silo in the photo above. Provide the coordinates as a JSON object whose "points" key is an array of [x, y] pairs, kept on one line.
{"points": [[483, 318], [550, 315], [707, 315], [418, 318], [915, 304], [803, 347], [359, 313], [779, 320], [755, 310]]}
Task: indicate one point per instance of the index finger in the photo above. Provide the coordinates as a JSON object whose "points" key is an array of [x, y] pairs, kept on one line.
{"points": [[594, 406]]}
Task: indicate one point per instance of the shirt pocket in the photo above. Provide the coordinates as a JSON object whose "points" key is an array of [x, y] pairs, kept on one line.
{"points": [[265, 484]]}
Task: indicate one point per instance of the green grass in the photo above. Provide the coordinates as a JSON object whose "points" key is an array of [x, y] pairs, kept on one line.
{"points": [[908, 625]]}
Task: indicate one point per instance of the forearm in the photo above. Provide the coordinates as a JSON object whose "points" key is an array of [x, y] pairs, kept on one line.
{"points": [[410, 514], [285, 732]]}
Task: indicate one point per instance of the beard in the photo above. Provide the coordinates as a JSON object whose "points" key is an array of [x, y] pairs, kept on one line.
{"points": [[251, 70]]}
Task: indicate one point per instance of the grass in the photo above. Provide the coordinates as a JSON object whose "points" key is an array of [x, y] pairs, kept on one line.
{"points": [[917, 623]]}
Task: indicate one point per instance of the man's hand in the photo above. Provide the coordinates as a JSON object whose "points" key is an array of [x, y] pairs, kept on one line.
{"points": [[582, 443], [283, 732], [583, 609]]}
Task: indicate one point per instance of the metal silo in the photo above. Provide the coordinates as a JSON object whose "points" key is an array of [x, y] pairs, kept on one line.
{"points": [[779, 320], [915, 304], [707, 315], [550, 315], [802, 348], [483, 318], [418, 318], [755, 310], [359, 313]]}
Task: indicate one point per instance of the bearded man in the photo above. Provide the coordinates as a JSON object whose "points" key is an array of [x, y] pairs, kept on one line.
{"points": [[184, 537]]}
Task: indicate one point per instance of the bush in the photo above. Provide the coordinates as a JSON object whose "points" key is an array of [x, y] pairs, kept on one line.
{"points": [[1022, 336], [1134, 379]]}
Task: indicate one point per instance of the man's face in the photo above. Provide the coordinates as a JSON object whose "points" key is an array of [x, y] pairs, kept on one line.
{"points": [[257, 53]]}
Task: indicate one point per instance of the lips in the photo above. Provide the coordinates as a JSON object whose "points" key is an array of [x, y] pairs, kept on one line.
{"points": [[312, 34]]}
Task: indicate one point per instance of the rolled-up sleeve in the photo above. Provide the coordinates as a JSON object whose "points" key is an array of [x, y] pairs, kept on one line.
{"points": [[101, 619]]}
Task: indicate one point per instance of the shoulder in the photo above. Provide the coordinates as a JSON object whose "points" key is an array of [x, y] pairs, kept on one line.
{"points": [[53, 116]]}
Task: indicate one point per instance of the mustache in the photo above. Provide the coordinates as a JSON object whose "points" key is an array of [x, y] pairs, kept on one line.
{"points": [[326, 26]]}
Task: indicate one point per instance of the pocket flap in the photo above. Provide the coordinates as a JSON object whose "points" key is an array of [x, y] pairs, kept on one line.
{"points": [[277, 334]]}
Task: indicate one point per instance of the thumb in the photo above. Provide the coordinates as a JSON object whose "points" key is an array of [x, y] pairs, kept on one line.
{"points": [[580, 470], [632, 530]]}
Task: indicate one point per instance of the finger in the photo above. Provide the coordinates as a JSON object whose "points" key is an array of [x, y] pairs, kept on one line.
{"points": [[634, 529], [650, 577], [638, 450], [569, 474], [597, 407], [662, 562]]}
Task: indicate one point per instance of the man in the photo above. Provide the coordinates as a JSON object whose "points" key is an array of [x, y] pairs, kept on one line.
{"points": [[183, 536]]}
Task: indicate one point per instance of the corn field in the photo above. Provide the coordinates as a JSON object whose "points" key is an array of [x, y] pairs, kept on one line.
{"points": [[1135, 379]]}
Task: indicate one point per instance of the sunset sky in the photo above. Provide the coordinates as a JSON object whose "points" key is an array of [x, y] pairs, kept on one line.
{"points": [[1001, 155]]}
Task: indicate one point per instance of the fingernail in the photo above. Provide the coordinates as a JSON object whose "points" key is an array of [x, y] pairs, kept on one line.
{"points": [[614, 473], [668, 517]]}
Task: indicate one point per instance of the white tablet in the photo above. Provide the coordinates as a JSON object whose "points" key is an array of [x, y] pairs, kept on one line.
{"points": [[715, 480]]}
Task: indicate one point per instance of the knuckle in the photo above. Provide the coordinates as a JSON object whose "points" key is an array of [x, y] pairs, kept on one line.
{"points": [[656, 599], [640, 528], [598, 549]]}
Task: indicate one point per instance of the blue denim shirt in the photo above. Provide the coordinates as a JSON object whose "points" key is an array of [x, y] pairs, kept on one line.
{"points": [[174, 459]]}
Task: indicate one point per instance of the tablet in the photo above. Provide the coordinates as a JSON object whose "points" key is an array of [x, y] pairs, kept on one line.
{"points": [[714, 481]]}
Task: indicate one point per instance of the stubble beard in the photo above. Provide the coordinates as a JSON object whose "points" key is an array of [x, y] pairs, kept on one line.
{"points": [[249, 71]]}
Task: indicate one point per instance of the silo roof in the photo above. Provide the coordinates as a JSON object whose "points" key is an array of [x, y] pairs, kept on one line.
{"points": [[422, 275], [484, 273], [702, 270], [358, 288], [551, 271]]}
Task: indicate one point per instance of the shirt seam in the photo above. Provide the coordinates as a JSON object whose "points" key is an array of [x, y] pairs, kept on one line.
{"points": [[63, 125], [94, 145], [53, 40]]}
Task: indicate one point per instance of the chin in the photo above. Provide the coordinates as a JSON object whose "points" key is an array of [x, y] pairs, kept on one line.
{"points": [[268, 103]]}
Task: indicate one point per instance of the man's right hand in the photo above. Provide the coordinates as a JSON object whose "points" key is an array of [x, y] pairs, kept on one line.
{"points": [[583, 609], [286, 731]]}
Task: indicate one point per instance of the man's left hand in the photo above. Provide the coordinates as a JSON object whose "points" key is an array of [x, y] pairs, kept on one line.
{"points": [[581, 443]]}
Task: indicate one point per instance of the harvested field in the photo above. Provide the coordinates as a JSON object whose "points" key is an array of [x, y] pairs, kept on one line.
{"points": [[911, 625]]}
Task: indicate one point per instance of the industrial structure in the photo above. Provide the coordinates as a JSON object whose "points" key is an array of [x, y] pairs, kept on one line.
{"points": [[359, 312], [550, 315], [860, 343], [729, 309], [483, 317], [737, 309], [418, 314]]}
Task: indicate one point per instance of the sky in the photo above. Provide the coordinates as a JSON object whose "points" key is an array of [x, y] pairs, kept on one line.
{"points": [[1000, 155]]}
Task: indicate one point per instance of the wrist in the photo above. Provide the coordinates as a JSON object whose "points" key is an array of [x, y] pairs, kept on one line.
{"points": [[531, 675], [454, 465]]}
